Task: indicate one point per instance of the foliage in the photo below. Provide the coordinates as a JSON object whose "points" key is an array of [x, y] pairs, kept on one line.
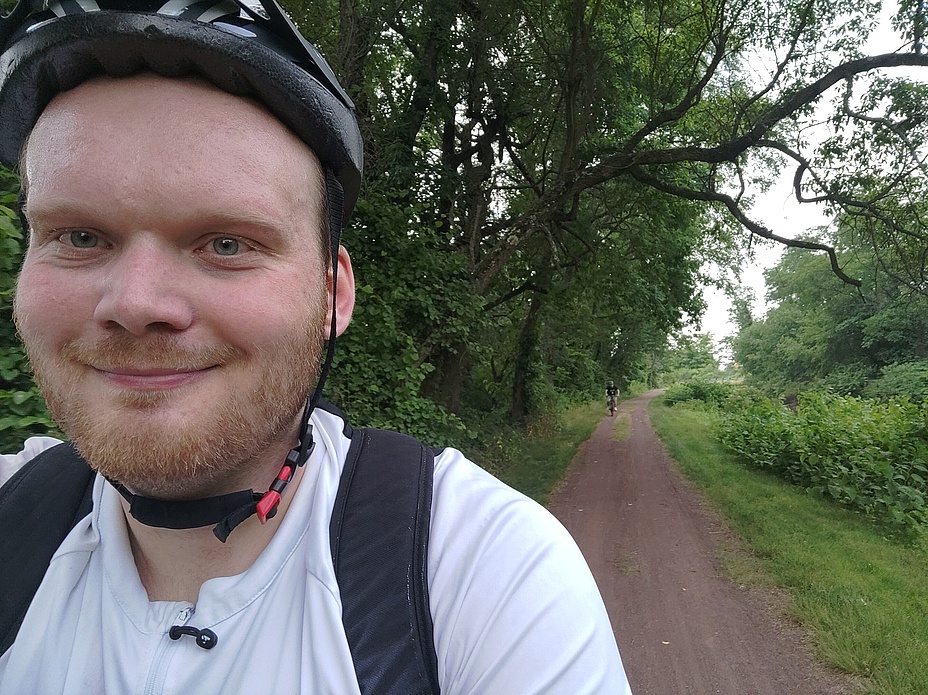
{"points": [[689, 358], [711, 393], [691, 352], [579, 228], [22, 409], [901, 379], [868, 455], [635, 388], [544, 181], [403, 283], [822, 333]]}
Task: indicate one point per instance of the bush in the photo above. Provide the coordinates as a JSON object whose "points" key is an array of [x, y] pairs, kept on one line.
{"points": [[712, 393], [22, 409], [865, 454], [901, 379], [847, 379], [760, 431]]}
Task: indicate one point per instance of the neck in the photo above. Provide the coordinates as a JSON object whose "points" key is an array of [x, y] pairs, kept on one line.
{"points": [[174, 563]]}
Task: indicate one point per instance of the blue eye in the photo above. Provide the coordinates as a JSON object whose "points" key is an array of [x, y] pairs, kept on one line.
{"points": [[83, 240], [226, 246]]}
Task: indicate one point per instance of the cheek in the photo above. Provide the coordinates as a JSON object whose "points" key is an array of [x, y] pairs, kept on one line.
{"points": [[268, 313], [47, 305]]}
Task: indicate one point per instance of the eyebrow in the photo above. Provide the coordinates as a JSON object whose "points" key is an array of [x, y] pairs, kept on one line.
{"points": [[49, 210]]}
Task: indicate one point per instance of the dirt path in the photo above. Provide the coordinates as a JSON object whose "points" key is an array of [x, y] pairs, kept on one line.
{"points": [[653, 546]]}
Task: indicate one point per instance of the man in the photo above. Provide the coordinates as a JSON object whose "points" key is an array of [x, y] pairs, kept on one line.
{"points": [[185, 172], [612, 396]]}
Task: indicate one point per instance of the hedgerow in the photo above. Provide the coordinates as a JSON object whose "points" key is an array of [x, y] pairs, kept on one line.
{"points": [[708, 392], [866, 454]]}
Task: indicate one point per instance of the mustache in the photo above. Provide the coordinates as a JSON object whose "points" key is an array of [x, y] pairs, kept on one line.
{"points": [[156, 352]]}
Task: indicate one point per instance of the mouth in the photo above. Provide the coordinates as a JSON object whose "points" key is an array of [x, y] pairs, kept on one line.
{"points": [[129, 366], [154, 378]]}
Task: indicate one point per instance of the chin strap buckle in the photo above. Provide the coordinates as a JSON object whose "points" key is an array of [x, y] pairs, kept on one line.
{"points": [[267, 505]]}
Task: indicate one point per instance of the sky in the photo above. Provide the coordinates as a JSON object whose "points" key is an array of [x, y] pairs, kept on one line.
{"points": [[779, 211]]}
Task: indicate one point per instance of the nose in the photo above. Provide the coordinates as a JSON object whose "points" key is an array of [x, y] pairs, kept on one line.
{"points": [[144, 290]]}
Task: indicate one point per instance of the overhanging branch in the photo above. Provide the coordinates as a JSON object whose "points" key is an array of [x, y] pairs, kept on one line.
{"points": [[755, 228], [728, 151]]}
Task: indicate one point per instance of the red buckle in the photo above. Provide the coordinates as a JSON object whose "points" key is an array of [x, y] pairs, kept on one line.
{"points": [[267, 505]]}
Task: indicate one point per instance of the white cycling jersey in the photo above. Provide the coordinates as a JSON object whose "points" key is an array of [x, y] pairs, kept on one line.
{"points": [[514, 606]]}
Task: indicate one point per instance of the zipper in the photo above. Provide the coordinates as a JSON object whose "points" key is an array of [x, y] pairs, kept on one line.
{"points": [[158, 671]]}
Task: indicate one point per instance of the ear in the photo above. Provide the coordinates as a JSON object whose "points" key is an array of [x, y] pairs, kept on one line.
{"points": [[344, 299]]}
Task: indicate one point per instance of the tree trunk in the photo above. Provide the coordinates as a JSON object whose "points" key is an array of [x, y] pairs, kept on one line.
{"points": [[446, 383], [525, 355]]}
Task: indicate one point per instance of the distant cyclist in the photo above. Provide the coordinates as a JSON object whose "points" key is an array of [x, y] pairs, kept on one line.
{"points": [[612, 397]]}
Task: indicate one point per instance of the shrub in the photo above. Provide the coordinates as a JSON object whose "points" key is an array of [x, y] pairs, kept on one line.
{"points": [[901, 379], [713, 393], [760, 430], [846, 379], [865, 454], [22, 409]]}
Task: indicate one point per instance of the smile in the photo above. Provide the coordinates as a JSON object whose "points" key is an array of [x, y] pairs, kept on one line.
{"points": [[160, 379]]}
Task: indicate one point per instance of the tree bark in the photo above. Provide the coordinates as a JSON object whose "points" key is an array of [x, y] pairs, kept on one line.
{"points": [[528, 341]]}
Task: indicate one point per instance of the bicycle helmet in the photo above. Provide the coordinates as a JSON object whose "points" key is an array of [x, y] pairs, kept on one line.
{"points": [[50, 46], [47, 47]]}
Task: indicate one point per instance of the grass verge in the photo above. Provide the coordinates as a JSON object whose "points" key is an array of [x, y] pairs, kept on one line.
{"points": [[622, 427], [534, 460], [863, 596]]}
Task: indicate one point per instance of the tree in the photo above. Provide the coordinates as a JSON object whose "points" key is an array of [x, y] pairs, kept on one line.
{"points": [[521, 153], [824, 333], [542, 134], [693, 352]]}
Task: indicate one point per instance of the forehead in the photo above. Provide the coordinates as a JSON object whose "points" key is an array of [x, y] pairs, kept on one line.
{"points": [[148, 136]]}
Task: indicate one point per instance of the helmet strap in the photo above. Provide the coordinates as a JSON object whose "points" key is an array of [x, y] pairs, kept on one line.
{"points": [[225, 511], [21, 211], [336, 197]]}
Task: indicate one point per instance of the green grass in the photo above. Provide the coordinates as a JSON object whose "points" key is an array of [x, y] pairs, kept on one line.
{"points": [[863, 596], [622, 427], [534, 461]]}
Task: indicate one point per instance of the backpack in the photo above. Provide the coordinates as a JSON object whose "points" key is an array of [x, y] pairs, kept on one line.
{"points": [[379, 539]]}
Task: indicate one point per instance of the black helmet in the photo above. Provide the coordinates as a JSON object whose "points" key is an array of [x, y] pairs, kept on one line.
{"points": [[50, 46]]}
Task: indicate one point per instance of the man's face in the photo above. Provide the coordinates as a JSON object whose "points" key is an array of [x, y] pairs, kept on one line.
{"points": [[173, 297]]}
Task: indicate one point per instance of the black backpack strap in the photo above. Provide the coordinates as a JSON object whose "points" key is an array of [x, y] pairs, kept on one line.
{"points": [[39, 506], [379, 535]]}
